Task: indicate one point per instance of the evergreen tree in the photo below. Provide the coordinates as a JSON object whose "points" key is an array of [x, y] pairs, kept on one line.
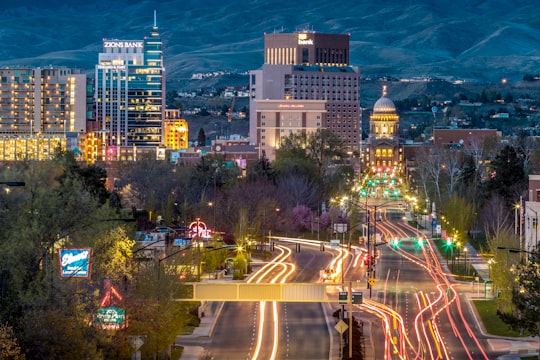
{"points": [[201, 138], [507, 176]]}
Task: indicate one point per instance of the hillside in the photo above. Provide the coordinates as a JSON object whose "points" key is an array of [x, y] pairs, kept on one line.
{"points": [[477, 41]]}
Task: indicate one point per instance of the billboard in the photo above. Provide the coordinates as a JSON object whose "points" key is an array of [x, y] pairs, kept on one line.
{"points": [[74, 262]]}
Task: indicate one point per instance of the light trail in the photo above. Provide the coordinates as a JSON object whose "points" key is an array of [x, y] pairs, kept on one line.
{"points": [[287, 269]]}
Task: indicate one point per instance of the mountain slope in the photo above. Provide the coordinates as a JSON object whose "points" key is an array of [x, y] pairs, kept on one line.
{"points": [[484, 40]]}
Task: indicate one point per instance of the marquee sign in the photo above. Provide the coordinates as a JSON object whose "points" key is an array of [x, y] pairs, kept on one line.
{"points": [[74, 262]]}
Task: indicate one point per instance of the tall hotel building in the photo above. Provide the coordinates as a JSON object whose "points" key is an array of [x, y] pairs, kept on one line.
{"points": [[130, 96], [41, 110], [305, 84]]}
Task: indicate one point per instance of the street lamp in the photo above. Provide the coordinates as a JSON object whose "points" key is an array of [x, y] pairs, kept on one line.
{"points": [[465, 252], [490, 263]]}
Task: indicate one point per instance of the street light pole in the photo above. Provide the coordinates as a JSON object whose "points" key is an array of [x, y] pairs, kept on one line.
{"points": [[465, 251]]}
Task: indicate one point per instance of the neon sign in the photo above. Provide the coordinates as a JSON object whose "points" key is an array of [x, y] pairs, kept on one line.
{"points": [[199, 229]]}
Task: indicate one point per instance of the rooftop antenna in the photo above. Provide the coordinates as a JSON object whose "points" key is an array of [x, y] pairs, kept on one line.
{"points": [[155, 18]]}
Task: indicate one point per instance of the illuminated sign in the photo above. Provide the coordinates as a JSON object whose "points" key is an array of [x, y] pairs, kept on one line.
{"points": [[74, 262], [110, 318], [291, 106], [123, 44], [304, 40]]}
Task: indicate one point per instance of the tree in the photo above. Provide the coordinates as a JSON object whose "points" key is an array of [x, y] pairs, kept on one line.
{"points": [[201, 138], [507, 176], [524, 312], [262, 169], [9, 347], [56, 209], [302, 217]]}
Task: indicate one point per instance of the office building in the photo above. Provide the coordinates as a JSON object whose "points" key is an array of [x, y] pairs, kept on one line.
{"points": [[310, 66], [175, 130], [41, 110], [130, 96]]}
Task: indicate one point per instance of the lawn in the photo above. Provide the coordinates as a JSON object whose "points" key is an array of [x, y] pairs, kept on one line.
{"points": [[487, 309]]}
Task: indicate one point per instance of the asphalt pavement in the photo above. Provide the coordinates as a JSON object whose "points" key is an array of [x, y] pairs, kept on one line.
{"points": [[515, 347]]}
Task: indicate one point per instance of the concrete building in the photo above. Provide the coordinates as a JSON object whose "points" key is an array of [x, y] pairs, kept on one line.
{"points": [[310, 66], [130, 96], [277, 119], [175, 130], [531, 212], [41, 109]]}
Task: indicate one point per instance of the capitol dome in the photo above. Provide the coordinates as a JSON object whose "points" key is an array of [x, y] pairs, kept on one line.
{"points": [[384, 104]]}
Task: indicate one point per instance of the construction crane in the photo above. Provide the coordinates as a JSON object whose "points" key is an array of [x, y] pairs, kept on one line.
{"points": [[231, 109]]}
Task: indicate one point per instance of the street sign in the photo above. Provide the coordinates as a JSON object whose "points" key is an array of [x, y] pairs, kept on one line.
{"points": [[371, 281], [357, 297], [342, 297], [341, 326], [136, 342]]}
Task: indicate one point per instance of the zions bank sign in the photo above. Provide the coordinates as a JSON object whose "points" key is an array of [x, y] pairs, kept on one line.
{"points": [[123, 44]]}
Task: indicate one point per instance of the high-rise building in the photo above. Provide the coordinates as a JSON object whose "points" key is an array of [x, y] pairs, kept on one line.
{"points": [[41, 110], [310, 66], [130, 94], [175, 130]]}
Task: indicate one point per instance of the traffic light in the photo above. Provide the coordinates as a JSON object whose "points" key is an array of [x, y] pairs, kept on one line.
{"points": [[420, 241]]}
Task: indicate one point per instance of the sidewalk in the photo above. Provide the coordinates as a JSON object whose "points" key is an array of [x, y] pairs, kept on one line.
{"points": [[201, 334]]}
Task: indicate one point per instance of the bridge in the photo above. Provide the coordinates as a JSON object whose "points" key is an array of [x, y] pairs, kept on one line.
{"points": [[284, 292]]}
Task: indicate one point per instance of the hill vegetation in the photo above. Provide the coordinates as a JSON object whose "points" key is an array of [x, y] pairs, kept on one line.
{"points": [[482, 40]]}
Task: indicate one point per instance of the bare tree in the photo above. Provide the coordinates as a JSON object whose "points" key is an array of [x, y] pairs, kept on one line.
{"points": [[452, 161]]}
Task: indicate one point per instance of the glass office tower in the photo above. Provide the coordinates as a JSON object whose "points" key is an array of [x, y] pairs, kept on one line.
{"points": [[130, 94]]}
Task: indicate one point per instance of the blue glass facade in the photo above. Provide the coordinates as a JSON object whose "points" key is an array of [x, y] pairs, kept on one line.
{"points": [[130, 92]]}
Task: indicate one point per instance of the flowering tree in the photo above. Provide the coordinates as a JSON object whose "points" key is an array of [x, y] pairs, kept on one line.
{"points": [[302, 217]]}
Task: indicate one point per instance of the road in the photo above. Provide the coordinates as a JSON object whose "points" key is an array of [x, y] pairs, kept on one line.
{"points": [[416, 310], [437, 318], [269, 330]]}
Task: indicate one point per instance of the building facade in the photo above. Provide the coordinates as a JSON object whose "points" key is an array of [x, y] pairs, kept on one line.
{"points": [[383, 149], [41, 110], [311, 66], [530, 218], [130, 95], [175, 130], [277, 119]]}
